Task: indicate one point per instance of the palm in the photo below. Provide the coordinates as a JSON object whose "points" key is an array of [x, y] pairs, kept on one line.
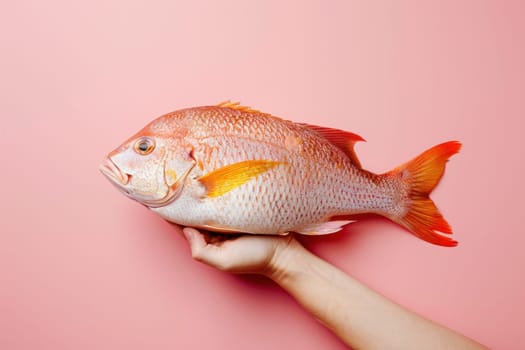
{"points": [[238, 254]]}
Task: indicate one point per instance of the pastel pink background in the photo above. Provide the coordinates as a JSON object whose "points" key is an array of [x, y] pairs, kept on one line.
{"points": [[83, 267]]}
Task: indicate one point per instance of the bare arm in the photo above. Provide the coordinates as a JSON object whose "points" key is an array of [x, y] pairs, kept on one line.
{"points": [[361, 317]]}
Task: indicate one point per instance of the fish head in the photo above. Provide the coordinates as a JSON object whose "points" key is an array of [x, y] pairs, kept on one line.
{"points": [[149, 167]]}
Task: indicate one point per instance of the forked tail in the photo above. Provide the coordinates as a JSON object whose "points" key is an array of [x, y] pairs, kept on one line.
{"points": [[420, 176]]}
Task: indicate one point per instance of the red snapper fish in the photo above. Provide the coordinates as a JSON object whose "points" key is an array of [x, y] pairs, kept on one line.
{"points": [[229, 168]]}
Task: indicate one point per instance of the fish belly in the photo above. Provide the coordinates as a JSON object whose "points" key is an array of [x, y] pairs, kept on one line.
{"points": [[266, 205], [278, 202], [315, 182]]}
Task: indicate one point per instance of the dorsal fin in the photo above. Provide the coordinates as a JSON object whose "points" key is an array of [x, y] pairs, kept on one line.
{"points": [[344, 140], [237, 105]]}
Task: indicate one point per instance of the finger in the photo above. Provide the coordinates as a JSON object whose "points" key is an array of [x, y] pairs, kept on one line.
{"points": [[195, 239], [201, 250]]}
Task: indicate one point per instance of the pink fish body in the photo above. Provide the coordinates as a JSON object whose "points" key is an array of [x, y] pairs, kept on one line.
{"points": [[229, 168]]}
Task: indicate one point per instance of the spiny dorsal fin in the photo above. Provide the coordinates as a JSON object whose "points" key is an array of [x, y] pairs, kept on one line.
{"points": [[344, 140], [237, 105]]}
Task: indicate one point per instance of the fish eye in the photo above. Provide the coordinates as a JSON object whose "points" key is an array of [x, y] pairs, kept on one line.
{"points": [[144, 146]]}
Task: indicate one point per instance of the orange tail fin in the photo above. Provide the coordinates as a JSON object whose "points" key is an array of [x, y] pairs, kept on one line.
{"points": [[421, 175]]}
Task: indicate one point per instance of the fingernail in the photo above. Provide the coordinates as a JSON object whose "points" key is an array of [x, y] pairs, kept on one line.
{"points": [[188, 234]]}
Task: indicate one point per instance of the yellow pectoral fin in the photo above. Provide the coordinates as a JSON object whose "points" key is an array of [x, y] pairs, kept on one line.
{"points": [[227, 178]]}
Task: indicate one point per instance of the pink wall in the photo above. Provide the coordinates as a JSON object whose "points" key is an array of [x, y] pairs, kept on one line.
{"points": [[83, 267]]}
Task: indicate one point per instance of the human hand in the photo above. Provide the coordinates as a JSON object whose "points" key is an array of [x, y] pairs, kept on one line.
{"points": [[240, 254], [361, 317]]}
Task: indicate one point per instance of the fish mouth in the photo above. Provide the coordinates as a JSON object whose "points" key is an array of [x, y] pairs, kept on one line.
{"points": [[114, 173], [120, 180]]}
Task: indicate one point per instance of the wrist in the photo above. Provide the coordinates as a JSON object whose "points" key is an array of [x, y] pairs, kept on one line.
{"points": [[287, 260]]}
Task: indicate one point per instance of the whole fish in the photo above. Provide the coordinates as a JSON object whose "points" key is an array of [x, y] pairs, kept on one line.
{"points": [[229, 168]]}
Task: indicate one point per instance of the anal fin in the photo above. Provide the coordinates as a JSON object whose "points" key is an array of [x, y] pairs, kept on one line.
{"points": [[323, 228]]}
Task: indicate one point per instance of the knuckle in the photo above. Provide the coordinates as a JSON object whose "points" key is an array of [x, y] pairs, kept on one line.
{"points": [[196, 254]]}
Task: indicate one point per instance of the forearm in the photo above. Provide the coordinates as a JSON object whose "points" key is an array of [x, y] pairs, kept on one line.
{"points": [[361, 317]]}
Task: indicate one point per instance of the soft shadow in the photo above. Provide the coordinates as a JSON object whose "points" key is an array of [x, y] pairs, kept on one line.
{"points": [[258, 280]]}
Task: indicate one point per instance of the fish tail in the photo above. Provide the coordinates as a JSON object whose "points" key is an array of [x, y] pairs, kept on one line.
{"points": [[419, 177]]}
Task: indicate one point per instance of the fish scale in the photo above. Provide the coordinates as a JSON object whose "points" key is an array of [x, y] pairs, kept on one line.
{"points": [[316, 197], [229, 168]]}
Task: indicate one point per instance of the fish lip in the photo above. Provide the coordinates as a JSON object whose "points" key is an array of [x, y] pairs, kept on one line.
{"points": [[114, 173], [120, 179]]}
